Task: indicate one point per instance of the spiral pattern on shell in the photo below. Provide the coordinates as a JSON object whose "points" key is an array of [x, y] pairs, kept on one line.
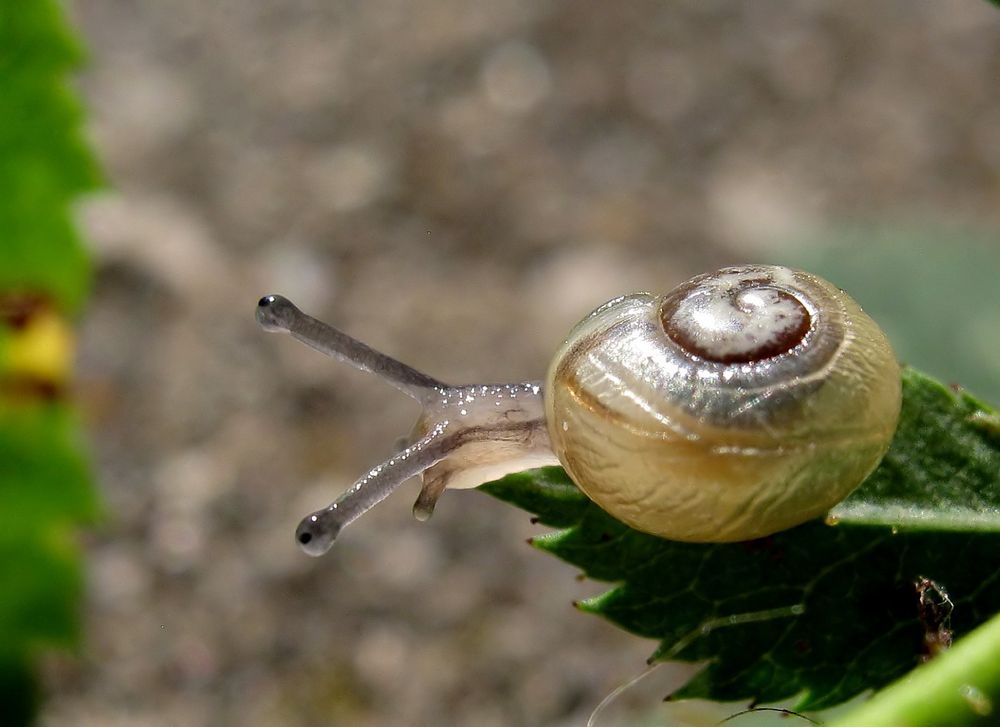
{"points": [[741, 403]]}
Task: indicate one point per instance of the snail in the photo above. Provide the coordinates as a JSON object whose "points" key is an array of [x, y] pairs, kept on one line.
{"points": [[741, 403]]}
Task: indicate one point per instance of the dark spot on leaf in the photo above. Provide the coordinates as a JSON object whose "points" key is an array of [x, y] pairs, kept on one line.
{"points": [[17, 309], [934, 609], [32, 388]]}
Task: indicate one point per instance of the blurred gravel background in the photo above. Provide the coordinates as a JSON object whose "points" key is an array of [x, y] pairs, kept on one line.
{"points": [[456, 182]]}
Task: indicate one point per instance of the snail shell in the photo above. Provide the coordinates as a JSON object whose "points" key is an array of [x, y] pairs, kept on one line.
{"points": [[741, 403]]}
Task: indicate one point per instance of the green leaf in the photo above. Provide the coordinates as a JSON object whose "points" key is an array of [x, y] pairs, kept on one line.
{"points": [[45, 487], [44, 162], [44, 478], [820, 611], [45, 493], [943, 469]]}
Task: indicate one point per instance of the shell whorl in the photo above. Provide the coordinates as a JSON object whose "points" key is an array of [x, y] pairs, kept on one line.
{"points": [[740, 403], [736, 316]]}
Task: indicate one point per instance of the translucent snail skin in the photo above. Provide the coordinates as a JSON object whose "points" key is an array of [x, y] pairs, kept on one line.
{"points": [[741, 403]]}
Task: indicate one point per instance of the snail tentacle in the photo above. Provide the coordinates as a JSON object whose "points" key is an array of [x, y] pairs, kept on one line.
{"points": [[316, 532], [277, 313]]}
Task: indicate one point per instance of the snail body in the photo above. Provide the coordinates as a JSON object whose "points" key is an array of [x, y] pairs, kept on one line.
{"points": [[741, 403]]}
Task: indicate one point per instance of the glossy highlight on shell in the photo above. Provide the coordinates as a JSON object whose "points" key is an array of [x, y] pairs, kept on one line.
{"points": [[743, 402]]}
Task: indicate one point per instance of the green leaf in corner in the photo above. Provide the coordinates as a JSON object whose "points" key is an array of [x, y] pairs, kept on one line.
{"points": [[46, 492], [960, 687], [45, 163], [820, 611]]}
